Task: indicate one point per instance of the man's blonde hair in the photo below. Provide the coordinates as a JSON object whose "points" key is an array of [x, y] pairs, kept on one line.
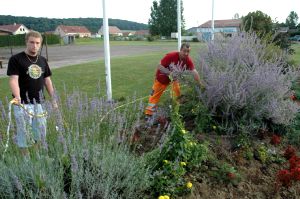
{"points": [[33, 34]]}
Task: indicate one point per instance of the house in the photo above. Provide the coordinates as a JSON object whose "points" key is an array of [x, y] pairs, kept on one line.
{"points": [[192, 31], [13, 29], [128, 33], [225, 28], [112, 31], [68, 33], [142, 33]]}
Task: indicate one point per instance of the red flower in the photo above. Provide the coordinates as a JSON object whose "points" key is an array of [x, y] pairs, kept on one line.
{"points": [[289, 152], [293, 97], [230, 175], [294, 162], [275, 140], [284, 176], [296, 173], [135, 137]]}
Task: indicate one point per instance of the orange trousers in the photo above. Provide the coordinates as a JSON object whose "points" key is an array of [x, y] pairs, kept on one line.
{"points": [[157, 90]]}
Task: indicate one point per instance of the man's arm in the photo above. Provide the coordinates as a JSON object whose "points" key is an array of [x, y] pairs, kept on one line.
{"points": [[50, 90], [197, 78], [163, 69], [14, 87]]}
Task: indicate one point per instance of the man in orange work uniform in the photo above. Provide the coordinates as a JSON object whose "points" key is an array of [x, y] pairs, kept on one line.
{"points": [[169, 64]]}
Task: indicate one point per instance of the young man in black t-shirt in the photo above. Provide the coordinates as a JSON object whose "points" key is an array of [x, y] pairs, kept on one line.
{"points": [[29, 73]]}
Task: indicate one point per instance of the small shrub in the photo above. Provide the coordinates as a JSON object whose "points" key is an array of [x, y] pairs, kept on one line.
{"points": [[246, 81], [195, 39]]}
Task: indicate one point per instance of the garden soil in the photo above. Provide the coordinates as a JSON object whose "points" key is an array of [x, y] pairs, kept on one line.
{"points": [[257, 180]]}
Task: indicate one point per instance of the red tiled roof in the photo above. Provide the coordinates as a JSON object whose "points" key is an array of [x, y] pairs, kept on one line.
{"points": [[142, 32], [74, 29], [10, 28], [112, 30], [222, 23]]}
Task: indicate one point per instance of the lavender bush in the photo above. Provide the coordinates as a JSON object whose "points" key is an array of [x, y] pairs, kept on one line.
{"points": [[247, 80], [85, 153]]}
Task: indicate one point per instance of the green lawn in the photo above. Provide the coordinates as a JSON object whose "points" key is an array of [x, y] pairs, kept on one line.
{"points": [[98, 41], [296, 56], [130, 75]]}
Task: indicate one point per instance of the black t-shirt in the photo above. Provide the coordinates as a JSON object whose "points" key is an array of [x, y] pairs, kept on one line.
{"points": [[31, 72]]}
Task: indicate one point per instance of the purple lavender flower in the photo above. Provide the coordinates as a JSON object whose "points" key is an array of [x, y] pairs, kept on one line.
{"points": [[74, 163]]}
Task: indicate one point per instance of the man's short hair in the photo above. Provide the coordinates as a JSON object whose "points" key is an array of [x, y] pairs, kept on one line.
{"points": [[33, 34], [185, 44]]}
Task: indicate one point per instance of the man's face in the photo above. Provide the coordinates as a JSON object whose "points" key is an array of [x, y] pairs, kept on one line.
{"points": [[184, 52], [33, 45]]}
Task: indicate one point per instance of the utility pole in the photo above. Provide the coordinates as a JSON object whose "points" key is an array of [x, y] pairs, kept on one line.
{"points": [[179, 23], [212, 22], [106, 52]]}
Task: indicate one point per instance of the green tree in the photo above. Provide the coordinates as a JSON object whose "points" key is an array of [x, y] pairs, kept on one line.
{"points": [[292, 20], [46, 24], [163, 17], [258, 22], [154, 26]]}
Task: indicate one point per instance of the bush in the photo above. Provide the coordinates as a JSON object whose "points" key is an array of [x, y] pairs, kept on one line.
{"points": [[85, 154], [247, 81], [195, 39]]}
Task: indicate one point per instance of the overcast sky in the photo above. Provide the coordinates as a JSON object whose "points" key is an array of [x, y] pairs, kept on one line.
{"points": [[195, 13]]}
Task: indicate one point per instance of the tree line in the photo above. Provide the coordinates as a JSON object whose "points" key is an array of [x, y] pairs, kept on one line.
{"points": [[163, 20], [49, 24]]}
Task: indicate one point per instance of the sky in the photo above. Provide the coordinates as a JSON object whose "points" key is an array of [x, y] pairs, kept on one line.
{"points": [[196, 12]]}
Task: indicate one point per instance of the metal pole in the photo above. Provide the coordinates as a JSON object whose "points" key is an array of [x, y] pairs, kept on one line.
{"points": [[46, 43], [179, 23], [107, 53], [212, 22]]}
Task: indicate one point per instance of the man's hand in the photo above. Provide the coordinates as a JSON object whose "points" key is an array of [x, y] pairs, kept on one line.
{"points": [[202, 86], [16, 101], [54, 104]]}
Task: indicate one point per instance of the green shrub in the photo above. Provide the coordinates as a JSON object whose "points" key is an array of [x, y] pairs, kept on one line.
{"points": [[247, 81]]}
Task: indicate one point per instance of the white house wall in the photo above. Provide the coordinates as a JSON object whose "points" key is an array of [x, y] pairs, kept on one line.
{"points": [[21, 30]]}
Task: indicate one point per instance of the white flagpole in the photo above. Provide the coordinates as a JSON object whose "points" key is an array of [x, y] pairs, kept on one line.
{"points": [[212, 22], [179, 23], [106, 52]]}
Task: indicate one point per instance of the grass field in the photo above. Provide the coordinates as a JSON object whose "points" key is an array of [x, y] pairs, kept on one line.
{"points": [[132, 75]]}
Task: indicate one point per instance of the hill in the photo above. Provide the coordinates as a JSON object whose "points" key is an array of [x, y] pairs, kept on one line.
{"points": [[49, 24]]}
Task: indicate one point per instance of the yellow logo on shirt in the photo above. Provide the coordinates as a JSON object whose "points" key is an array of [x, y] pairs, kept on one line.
{"points": [[34, 71]]}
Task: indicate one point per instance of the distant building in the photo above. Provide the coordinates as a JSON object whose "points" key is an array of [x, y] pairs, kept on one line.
{"points": [[142, 33], [128, 33], [282, 30], [13, 29], [192, 30], [225, 28], [68, 33], [112, 31]]}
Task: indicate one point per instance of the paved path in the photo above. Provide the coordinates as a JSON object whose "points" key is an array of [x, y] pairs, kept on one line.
{"points": [[60, 56]]}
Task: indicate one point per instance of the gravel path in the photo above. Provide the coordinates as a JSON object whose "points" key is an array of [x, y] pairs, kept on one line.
{"points": [[60, 56]]}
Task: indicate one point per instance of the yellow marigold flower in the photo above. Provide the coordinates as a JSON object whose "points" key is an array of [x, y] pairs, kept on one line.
{"points": [[166, 161], [192, 143], [182, 164], [214, 127], [166, 197], [161, 197], [189, 185], [183, 131]]}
